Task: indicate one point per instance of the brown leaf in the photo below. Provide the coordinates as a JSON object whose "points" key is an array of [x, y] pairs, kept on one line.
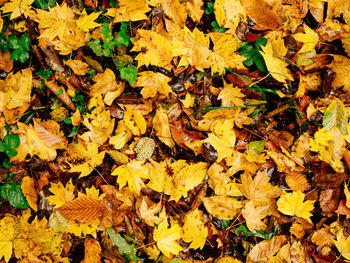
{"points": [[329, 200], [92, 251], [265, 249], [261, 14], [5, 62], [343, 209], [282, 138], [93, 5], [61, 93], [181, 135], [82, 209], [328, 180]]}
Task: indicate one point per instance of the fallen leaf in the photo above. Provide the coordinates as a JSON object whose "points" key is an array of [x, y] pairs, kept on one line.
{"points": [[194, 230], [92, 251], [222, 207], [28, 190]]}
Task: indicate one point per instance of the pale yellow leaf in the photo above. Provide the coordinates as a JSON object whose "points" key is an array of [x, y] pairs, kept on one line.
{"points": [[194, 230]]}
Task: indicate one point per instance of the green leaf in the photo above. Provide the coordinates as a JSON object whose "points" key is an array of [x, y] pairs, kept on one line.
{"points": [[24, 41], [243, 230], [336, 115], [12, 140], [125, 249], [20, 55], [260, 41], [122, 39], [73, 132], [256, 147], [96, 47], [3, 43], [13, 42], [11, 152], [44, 4], [2, 147], [175, 260], [45, 74], [128, 73], [251, 52], [59, 92], [3, 191], [16, 197], [67, 121], [113, 3], [6, 164]]}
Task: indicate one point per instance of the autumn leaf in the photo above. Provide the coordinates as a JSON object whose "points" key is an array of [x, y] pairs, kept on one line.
{"points": [[107, 85], [56, 22], [131, 174], [276, 66], [7, 234], [28, 190], [17, 7], [166, 238], [253, 216], [134, 121], [343, 245], [82, 209], [61, 194], [152, 83], [78, 67], [228, 13], [335, 116], [84, 157], [222, 207], [129, 11], [230, 96], [5, 62], [161, 126], [293, 205], [86, 22], [92, 251], [194, 230], [309, 38]]}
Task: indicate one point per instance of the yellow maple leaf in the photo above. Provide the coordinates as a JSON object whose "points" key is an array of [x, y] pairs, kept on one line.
{"points": [[17, 7], [134, 121], [86, 22], [309, 38], [155, 49], [107, 85], [152, 83], [259, 190], [98, 121], [229, 13], [166, 238], [131, 174], [61, 194], [188, 101], [222, 207], [194, 230], [195, 10], [175, 10], [129, 11], [276, 66], [42, 139], [330, 144], [343, 245], [56, 22], [293, 205], [71, 40], [7, 235], [230, 96], [253, 216]]}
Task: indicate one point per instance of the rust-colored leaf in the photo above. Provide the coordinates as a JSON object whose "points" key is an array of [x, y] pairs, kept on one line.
{"points": [[82, 209]]}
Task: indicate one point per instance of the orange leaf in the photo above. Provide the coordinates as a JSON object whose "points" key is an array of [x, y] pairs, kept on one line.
{"points": [[28, 189], [92, 251], [83, 209], [297, 181]]}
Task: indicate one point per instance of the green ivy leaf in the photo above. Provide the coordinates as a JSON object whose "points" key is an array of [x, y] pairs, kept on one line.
{"points": [[45, 74], [128, 73], [11, 152], [24, 41], [122, 39], [253, 57], [13, 42], [125, 249], [15, 196], [335, 115], [96, 47], [20, 55], [12, 140]]}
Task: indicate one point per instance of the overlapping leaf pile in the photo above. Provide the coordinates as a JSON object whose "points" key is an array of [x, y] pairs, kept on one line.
{"points": [[170, 131]]}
